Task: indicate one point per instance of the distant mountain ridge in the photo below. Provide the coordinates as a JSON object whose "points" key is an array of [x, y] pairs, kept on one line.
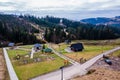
{"points": [[115, 21]]}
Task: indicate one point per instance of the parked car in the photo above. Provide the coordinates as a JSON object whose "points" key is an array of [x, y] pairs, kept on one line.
{"points": [[108, 61]]}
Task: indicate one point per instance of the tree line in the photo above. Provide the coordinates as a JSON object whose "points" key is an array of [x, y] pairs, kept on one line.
{"points": [[16, 29], [12, 29], [75, 30]]}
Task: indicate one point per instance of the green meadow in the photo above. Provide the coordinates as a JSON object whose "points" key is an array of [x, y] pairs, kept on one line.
{"points": [[33, 69]]}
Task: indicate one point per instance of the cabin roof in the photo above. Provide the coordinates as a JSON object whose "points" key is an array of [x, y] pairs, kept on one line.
{"points": [[77, 46], [11, 44], [37, 45]]}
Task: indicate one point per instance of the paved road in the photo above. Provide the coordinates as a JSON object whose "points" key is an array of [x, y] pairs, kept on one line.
{"points": [[11, 71], [73, 70], [66, 58], [62, 56]]}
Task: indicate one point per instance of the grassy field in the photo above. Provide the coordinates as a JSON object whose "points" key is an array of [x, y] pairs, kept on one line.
{"points": [[60, 47], [30, 70], [116, 53], [13, 53], [27, 46], [89, 52], [91, 48], [33, 69]]}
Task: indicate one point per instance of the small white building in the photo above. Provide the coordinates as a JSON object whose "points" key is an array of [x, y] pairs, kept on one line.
{"points": [[61, 23]]}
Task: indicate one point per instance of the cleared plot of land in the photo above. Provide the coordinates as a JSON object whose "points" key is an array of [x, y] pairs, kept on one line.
{"points": [[102, 71], [42, 63], [101, 74]]}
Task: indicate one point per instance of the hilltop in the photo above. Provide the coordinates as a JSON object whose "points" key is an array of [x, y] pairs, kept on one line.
{"points": [[115, 21], [73, 30], [26, 29]]}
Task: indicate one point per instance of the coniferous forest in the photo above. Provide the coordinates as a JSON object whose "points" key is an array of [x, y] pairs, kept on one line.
{"points": [[14, 28], [73, 30]]}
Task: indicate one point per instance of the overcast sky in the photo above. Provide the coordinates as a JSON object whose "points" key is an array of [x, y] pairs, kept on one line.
{"points": [[72, 9]]}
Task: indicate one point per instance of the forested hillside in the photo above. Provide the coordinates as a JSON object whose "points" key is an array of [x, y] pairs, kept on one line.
{"points": [[73, 30], [14, 29], [17, 29]]}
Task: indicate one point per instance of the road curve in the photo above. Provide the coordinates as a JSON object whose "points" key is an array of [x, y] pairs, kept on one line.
{"points": [[62, 56], [73, 70]]}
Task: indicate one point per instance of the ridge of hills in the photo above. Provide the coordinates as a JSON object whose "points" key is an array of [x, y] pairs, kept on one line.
{"points": [[21, 29], [115, 21]]}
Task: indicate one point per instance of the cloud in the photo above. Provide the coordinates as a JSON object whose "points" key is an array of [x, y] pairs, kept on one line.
{"points": [[60, 7], [59, 4], [6, 3]]}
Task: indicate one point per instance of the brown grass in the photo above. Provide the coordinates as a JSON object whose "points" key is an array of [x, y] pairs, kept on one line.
{"points": [[101, 74]]}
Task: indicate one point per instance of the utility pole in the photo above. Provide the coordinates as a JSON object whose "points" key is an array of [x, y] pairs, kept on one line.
{"points": [[61, 68]]}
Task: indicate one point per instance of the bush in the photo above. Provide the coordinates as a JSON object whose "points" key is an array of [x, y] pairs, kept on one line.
{"points": [[91, 71]]}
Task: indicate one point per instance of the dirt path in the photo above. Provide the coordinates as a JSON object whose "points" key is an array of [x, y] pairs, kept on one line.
{"points": [[3, 70]]}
